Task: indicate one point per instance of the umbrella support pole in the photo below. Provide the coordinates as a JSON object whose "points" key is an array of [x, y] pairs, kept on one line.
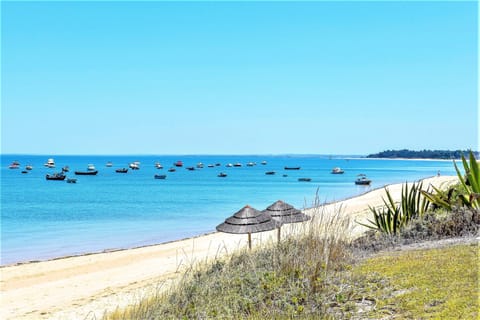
{"points": [[249, 241], [278, 234]]}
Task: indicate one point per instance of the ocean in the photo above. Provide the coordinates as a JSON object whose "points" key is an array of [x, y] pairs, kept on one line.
{"points": [[43, 219]]}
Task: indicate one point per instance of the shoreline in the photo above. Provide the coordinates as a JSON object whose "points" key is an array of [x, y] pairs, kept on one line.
{"points": [[110, 250], [107, 280]]}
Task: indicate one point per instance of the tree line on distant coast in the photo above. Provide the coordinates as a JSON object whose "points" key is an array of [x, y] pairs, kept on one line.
{"points": [[423, 154]]}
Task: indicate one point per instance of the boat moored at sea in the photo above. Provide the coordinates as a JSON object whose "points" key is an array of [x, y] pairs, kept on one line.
{"points": [[28, 167], [86, 173], [71, 180], [109, 164], [158, 165], [14, 165], [160, 176], [135, 165], [363, 180], [179, 163], [337, 170], [264, 162], [200, 165], [222, 175], [292, 168], [56, 176], [50, 163], [305, 179], [270, 172], [172, 169], [66, 169], [122, 170]]}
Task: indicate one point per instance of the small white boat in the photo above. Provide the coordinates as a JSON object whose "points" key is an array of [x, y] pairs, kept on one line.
{"points": [[134, 165], [200, 165], [50, 163], [337, 170], [158, 165], [229, 165], [91, 167], [28, 167], [264, 162], [109, 164], [251, 164]]}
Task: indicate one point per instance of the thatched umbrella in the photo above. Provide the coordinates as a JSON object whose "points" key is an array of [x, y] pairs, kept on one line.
{"points": [[249, 220], [285, 213]]}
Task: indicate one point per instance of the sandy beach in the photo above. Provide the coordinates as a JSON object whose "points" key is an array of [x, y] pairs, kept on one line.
{"points": [[84, 287]]}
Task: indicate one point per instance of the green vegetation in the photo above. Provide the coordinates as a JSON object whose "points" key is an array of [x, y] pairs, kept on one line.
{"points": [[466, 193], [433, 284], [423, 154], [392, 217]]}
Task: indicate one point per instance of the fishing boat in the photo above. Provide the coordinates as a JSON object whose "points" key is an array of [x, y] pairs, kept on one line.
{"points": [[270, 172], [363, 180], [337, 170], [292, 168], [229, 165], [24, 171], [50, 163], [190, 168], [251, 164], [28, 167], [211, 165], [305, 179], [71, 180], [158, 165], [109, 164], [222, 175], [160, 176], [122, 170], [172, 170], [264, 162], [56, 176], [179, 163], [237, 164], [86, 173], [200, 165]]}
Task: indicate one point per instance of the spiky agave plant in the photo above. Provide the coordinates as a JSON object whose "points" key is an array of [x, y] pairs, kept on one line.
{"points": [[392, 217], [470, 181]]}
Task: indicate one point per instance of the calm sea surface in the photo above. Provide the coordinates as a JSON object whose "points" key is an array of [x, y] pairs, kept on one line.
{"points": [[43, 219]]}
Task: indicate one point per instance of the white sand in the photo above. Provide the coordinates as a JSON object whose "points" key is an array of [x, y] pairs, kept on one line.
{"points": [[84, 287]]}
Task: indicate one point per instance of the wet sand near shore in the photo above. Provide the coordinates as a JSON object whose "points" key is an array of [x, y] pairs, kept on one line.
{"points": [[84, 287]]}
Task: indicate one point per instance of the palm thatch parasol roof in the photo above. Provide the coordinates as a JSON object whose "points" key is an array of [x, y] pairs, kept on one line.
{"points": [[248, 220], [286, 213]]}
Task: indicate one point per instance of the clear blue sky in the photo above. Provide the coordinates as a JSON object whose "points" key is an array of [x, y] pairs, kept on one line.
{"points": [[238, 78]]}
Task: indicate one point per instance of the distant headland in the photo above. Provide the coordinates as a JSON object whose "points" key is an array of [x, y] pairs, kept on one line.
{"points": [[423, 154]]}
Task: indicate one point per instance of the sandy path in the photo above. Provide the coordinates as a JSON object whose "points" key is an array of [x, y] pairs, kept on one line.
{"points": [[84, 287]]}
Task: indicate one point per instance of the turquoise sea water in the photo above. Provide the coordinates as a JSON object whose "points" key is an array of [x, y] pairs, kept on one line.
{"points": [[43, 219]]}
